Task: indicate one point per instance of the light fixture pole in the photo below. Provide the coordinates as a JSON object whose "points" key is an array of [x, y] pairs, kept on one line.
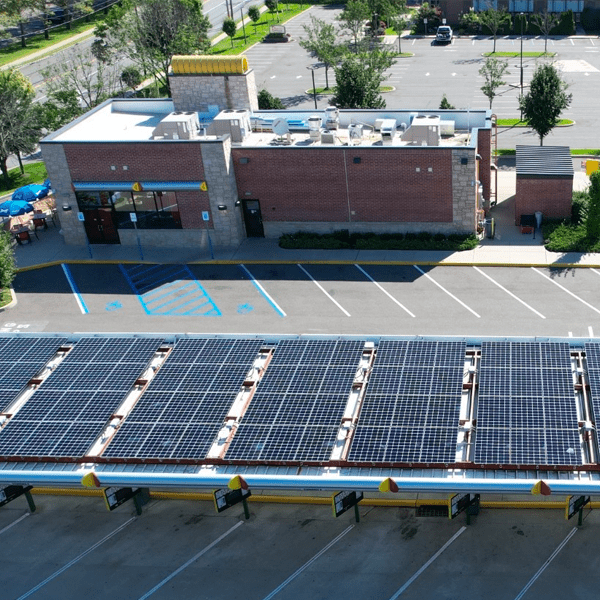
{"points": [[312, 70], [520, 102]]}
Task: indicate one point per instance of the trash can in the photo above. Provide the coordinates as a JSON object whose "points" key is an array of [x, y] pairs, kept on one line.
{"points": [[489, 228], [538, 218]]}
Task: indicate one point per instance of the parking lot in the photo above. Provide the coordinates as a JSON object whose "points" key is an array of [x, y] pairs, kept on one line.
{"points": [[185, 550], [365, 299]]}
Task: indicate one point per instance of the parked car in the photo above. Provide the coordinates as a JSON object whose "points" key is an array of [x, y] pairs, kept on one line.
{"points": [[443, 35]]}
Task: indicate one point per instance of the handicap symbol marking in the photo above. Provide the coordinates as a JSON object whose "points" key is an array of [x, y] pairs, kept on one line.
{"points": [[113, 305], [244, 308]]}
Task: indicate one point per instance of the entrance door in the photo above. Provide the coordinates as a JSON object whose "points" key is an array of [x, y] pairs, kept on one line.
{"points": [[253, 219], [100, 226]]}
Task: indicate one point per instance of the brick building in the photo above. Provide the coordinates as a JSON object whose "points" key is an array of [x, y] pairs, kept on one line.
{"points": [[544, 181], [209, 163]]}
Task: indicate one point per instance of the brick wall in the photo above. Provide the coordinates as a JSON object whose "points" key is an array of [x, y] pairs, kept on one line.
{"points": [[325, 184], [146, 161], [552, 196]]}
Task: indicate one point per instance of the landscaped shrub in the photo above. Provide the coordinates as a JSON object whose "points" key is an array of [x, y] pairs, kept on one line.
{"points": [[590, 19], [372, 241], [579, 207], [566, 25]]}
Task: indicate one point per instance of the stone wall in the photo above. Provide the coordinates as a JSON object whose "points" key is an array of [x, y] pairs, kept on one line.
{"points": [[193, 92], [222, 191], [58, 172], [464, 190]]}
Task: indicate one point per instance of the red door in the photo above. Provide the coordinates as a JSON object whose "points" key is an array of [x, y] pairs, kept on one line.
{"points": [[100, 226]]}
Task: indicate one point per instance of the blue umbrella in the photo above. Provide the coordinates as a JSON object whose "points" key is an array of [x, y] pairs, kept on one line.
{"points": [[30, 193], [14, 208]]}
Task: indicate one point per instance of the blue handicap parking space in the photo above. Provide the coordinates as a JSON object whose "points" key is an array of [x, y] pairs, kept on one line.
{"points": [[169, 290]]}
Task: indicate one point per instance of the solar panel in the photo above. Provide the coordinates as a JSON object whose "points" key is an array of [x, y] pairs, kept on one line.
{"points": [[184, 407], [21, 358], [69, 410], [592, 352], [411, 408], [526, 413], [297, 409]]}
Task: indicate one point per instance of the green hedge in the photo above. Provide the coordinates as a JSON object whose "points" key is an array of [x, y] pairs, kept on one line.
{"points": [[590, 19], [343, 240]]}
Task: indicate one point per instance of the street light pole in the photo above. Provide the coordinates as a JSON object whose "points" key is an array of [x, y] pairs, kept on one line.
{"points": [[312, 70], [520, 103]]}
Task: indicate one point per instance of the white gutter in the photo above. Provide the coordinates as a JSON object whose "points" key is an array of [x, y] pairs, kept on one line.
{"points": [[291, 482]]}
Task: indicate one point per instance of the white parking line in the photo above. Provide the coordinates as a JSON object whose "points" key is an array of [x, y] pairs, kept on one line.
{"points": [[307, 564], [263, 292], [189, 562], [436, 555], [510, 293], [324, 290], [595, 271], [75, 560], [14, 523], [545, 565], [590, 331], [383, 290], [562, 287], [447, 292]]}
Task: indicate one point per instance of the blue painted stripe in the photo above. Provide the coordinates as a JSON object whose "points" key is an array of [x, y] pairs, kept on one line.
{"points": [[193, 278], [173, 300], [263, 292], [169, 290], [75, 289], [134, 289]]}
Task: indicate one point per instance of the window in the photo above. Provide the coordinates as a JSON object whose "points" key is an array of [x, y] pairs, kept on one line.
{"points": [[154, 210]]}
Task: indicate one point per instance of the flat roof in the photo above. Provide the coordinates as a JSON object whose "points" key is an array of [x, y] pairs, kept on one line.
{"points": [[545, 161]]}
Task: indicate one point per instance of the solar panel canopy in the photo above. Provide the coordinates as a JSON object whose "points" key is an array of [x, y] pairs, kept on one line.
{"points": [[411, 408], [21, 358], [296, 411], [592, 352], [68, 412], [527, 414], [183, 409]]}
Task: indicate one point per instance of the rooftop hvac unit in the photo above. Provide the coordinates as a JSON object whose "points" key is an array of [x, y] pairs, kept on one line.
{"points": [[314, 127], [178, 126], [355, 133], [327, 137], [332, 117]]}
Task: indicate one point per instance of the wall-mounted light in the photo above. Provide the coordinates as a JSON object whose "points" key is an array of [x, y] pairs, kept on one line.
{"points": [[125, 168], [478, 156], [464, 160], [244, 160], [222, 207], [238, 203], [247, 193], [113, 168], [66, 207], [356, 160]]}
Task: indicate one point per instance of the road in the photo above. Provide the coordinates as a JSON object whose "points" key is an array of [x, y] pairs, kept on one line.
{"points": [[325, 299]]}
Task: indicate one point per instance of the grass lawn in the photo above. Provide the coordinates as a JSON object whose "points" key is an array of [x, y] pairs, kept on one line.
{"points": [[37, 42], [34, 173], [5, 297], [519, 123], [515, 54], [256, 33]]}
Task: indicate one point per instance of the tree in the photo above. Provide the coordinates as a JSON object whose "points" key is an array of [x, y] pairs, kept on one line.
{"points": [[18, 129], [353, 17], [359, 78], [151, 32], [322, 43], [61, 108], [94, 81], [7, 260], [71, 7], [546, 99], [268, 102], [254, 14], [131, 77], [445, 103], [492, 71], [273, 6], [546, 22], [229, 28], [16, 12], [431, 13], [494, 20], [593, 216], [399, 23]]}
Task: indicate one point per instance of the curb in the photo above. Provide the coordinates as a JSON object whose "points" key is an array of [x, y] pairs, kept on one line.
{"points": [[12, 303]]}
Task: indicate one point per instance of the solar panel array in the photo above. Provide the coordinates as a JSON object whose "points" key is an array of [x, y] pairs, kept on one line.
{"points": [[527, 413], [21, 358], [184, 407], [411, 409], [66, 414], [592, 352], [296, 412]]}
